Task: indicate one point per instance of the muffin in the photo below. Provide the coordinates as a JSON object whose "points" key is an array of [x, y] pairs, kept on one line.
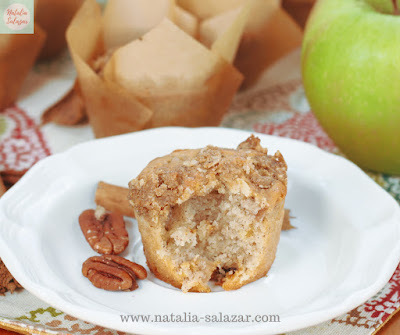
{"points": [[211, 214], [164, 78]]}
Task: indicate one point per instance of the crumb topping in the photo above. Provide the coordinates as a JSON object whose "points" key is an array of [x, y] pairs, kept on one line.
{"points": [[173, 179]]}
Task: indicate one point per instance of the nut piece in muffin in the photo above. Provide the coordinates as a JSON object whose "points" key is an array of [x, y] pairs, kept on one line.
{"points": [[211, 214]]}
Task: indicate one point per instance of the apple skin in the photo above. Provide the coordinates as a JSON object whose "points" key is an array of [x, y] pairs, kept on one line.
{"points": [[351, 76]]}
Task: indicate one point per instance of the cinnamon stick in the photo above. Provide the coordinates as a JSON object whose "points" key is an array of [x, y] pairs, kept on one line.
{"points": [[114, 199], [68, 111], [10, 177], [3, 188]]}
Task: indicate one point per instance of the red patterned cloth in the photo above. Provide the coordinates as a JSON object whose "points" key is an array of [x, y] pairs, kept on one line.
{"points": [[21, 142], [302, 127]]}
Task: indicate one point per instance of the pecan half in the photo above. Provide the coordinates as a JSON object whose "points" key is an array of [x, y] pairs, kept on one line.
{"points": [[113, 273], [107, 234]]}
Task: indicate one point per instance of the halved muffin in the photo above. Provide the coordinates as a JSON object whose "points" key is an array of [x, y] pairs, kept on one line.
{"points": [[211, 214]]}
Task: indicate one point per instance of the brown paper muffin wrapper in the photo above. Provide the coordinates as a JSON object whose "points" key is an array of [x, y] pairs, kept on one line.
{"points": [[18, 53], [259, 49], [113, 109], [269, 34], [54, 18]]}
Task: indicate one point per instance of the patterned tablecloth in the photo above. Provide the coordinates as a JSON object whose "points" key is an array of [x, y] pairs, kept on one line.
{"points": [[276, 106]]}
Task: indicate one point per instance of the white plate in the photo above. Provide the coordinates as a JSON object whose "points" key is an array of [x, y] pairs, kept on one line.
{"points": [[344, 250]]}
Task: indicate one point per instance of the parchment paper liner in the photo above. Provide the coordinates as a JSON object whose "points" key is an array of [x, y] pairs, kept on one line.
{"points": [[18, 53], [112, 109]]}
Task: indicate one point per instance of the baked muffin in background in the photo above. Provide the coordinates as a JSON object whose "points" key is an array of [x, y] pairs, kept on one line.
{"points": [[211, 214]]}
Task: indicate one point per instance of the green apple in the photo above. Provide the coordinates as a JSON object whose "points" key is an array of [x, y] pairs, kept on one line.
{"points": [[351, 76]]}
